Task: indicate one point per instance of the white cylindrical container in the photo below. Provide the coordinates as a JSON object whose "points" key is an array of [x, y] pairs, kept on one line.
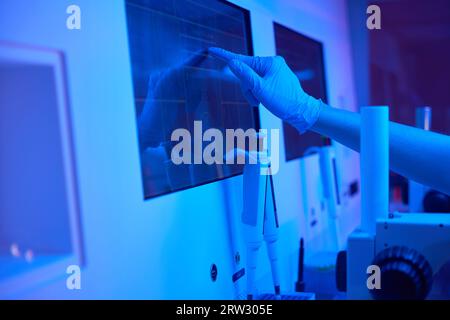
{"points": [[374, 166], [416, 190]]}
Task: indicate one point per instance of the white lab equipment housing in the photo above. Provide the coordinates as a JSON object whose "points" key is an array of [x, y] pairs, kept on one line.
{"points": [[416, 244], [164, 247]]}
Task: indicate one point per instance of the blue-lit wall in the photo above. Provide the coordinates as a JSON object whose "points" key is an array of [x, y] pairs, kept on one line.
{"points": [[164, 247]]}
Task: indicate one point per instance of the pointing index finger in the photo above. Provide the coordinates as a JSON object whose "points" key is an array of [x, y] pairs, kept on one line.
{"points": [[228, 56], [258, 64]]}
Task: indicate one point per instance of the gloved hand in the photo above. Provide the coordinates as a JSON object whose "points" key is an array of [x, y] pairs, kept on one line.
{"points": [[268, 80]]}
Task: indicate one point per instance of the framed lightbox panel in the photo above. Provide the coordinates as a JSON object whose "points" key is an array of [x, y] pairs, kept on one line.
{"points": [[40, 232]]}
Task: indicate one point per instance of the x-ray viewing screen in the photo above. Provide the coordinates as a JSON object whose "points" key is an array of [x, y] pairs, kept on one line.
{"points": [[305, 57], [176, 84]]}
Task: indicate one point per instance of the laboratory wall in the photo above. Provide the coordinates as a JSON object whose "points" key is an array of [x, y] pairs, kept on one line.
{"points": [[165, 247]]}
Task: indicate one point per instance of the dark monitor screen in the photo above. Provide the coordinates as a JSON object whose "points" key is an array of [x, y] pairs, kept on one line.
{"points": [[176, 83], [305, 57]]}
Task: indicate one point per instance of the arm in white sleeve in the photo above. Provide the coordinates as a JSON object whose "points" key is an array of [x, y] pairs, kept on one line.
{"points": [[417, 154]]}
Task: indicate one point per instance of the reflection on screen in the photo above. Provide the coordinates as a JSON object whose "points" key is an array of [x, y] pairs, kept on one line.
{"points": [[305, 57], [177, 83]]}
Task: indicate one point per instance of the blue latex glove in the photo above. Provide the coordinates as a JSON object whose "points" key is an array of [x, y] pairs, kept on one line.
{"points": [[268, 80]]}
